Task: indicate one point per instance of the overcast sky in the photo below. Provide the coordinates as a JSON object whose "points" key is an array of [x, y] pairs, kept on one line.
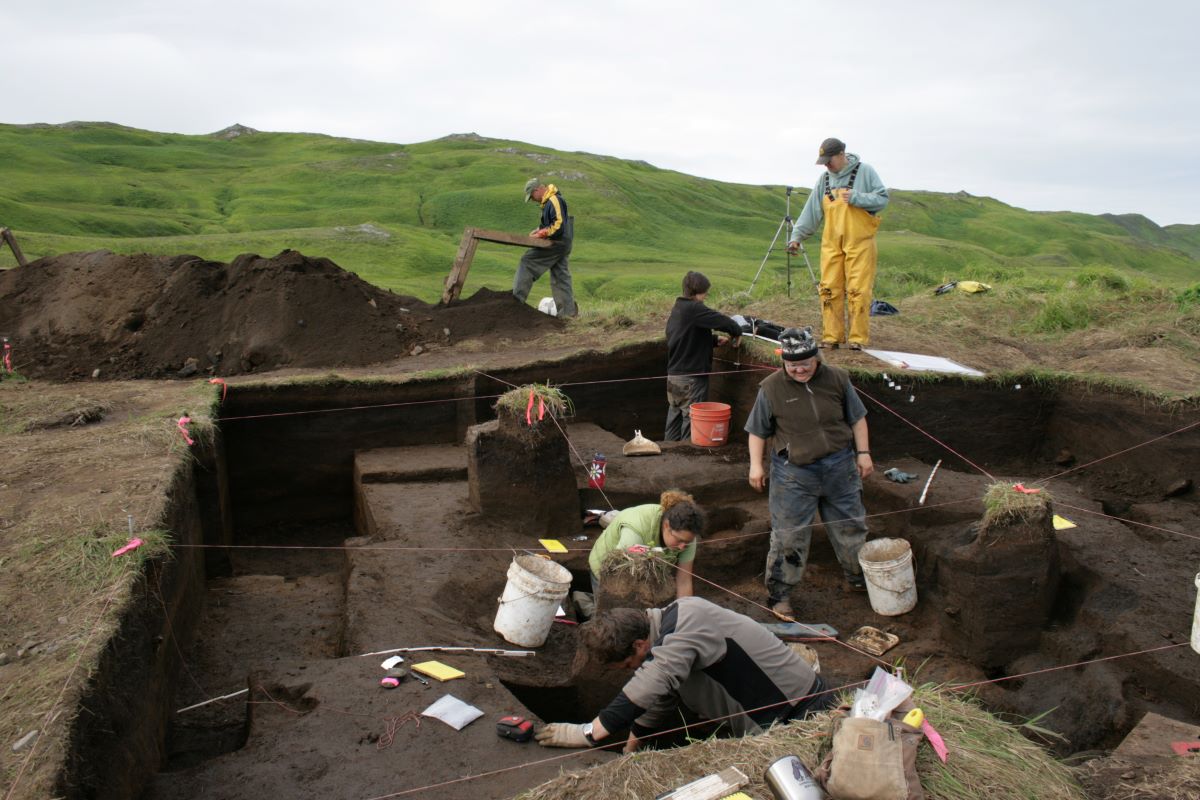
{"points": [[1084, 106]]}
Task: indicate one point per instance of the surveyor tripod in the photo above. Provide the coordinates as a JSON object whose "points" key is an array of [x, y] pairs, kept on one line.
{"points": [[785, 227]]}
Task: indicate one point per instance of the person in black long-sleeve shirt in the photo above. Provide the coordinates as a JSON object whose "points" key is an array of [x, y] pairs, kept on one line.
{"points": [[690, 334]]}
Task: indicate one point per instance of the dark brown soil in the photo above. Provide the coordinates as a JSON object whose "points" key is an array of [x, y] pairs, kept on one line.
{"points": [[319, 707], [150, 316]]}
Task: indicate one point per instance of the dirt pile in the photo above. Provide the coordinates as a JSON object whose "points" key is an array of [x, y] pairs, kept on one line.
{"points": [[148, 316]]}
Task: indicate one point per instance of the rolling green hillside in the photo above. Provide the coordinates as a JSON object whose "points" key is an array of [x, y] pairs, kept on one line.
{"points": [[394, 213]]}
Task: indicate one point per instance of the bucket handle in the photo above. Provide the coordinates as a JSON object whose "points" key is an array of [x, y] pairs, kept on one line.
{"points": [[889, 591], [502, 601]]}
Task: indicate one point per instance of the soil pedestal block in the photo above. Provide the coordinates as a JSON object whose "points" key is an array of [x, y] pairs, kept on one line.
{"points": [[622, 590], [523, 474], [999, 588]]}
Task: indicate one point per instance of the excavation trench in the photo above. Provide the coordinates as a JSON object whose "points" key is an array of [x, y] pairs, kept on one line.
{"points": [[337, 520]]}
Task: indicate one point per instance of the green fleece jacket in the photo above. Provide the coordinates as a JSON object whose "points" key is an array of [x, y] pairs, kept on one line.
{"points": [[868, 193], [636, 525]]}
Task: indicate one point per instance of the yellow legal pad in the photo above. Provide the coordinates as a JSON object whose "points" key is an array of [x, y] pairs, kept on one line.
{"points": [[553, 545], [1062, 523], [737, 796], [436, 669]]}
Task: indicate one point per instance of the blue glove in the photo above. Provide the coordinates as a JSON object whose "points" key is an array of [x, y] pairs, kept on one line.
{"points": [[898, 476]]}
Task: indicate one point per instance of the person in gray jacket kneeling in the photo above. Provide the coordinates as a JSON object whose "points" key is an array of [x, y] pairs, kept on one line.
{"points": [[721, 665]]}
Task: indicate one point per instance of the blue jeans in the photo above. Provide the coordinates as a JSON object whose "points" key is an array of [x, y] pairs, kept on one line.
{"points": [[830, 485]]}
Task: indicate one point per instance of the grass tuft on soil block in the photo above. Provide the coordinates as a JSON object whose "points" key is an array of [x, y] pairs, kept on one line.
{"points": [[1004, 505]]}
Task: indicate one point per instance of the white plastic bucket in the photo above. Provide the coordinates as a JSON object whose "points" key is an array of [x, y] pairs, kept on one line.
{"points": [[1196, 619], [536, 588], [888, 569]]}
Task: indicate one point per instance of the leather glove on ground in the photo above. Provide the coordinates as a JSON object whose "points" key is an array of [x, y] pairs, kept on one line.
{"points": [[562, 734]]}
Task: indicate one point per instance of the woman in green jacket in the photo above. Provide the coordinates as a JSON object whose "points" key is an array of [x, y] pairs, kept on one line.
{"points": [[673, 525]]}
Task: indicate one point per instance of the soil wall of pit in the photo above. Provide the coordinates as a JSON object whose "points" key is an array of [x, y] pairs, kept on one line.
{"points": [[117, 738], [285, 454], [290, 447]]}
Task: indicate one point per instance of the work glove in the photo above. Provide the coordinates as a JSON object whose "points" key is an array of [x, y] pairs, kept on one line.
{"points": [[640, 549], [898, 476], [562, 734]]}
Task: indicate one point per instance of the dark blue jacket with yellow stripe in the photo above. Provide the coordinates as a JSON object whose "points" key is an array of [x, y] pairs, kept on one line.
{"points": [[554, 213]]}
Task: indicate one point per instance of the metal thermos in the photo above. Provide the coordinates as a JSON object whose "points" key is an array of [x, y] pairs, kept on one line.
{"points": [[789, 779]]}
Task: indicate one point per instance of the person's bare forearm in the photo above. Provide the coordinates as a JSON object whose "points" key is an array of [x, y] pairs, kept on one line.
{"points": [[862, 448]]}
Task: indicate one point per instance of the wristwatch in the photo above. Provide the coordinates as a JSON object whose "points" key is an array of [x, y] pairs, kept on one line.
{"points": [[587, 734]]}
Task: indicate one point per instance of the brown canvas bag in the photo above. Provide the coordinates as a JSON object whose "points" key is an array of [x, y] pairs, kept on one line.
{"points": [[872, 760]]}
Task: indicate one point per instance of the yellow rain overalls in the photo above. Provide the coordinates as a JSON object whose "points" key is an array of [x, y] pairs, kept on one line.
{"points": [[848, 262]]}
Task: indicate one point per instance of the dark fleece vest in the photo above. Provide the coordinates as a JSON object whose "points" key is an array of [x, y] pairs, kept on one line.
{"points": [[810, 418]]}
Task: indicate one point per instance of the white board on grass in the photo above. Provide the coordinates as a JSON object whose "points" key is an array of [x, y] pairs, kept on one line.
{"points": [[920, 363]]}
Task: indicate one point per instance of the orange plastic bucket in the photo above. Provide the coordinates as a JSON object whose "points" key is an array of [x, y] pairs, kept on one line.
{"points": [[710, 424]]}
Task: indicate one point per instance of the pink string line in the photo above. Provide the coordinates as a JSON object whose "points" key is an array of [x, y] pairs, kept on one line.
{"points": [[360, 408], [818, 636], [961, 686], [457, 399], [619, 743], [577, 753], [398, 548], [925, 433], [1127, 521], [1119, 452]]}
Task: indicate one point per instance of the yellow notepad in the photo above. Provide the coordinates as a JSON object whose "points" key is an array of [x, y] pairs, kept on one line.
{"points": [[1062, 523], [553, 545], [436, 669]]}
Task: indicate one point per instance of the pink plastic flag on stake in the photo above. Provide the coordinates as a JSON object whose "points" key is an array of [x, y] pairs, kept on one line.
{"points": [[1020, 487], [8, 358], [935, 741], [133, 544], [541, 408], [224, 386], [182, 425], [529, 410]]}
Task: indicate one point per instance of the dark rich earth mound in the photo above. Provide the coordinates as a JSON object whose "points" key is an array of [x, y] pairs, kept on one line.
{"points": [[146, 316]]}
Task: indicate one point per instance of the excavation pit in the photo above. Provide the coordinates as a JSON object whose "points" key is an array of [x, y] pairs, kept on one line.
{"points": [[339, 522]]}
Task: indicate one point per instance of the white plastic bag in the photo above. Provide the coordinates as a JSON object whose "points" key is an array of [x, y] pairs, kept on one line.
{"points": [[883, 693]]}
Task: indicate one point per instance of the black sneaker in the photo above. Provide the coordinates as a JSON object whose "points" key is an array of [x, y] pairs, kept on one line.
{"points": [[856, 583]]}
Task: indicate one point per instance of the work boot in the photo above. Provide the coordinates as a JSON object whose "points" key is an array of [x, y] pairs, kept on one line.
{"points": [[781, 607], [856, 583]]}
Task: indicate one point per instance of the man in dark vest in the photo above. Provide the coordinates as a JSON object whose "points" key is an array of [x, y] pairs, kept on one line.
{"points": [[819, 456], [559, 227]]}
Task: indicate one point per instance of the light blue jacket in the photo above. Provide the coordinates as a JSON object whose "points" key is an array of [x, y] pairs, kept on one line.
{"points": [[868, 193]]}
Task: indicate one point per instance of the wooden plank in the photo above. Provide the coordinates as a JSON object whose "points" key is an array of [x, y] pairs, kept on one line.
{"points": [[466, 252], [503, 237], [462, 263], [7, 236]]}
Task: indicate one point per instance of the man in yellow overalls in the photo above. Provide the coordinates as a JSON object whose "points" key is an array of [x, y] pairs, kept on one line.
{"points": [[849, 198]]}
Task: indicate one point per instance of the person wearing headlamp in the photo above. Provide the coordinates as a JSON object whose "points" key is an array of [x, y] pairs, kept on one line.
{"points": [[819, 455]]}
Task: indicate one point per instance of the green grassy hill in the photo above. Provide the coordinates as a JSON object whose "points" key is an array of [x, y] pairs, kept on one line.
{"points": [[394, 213]]}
